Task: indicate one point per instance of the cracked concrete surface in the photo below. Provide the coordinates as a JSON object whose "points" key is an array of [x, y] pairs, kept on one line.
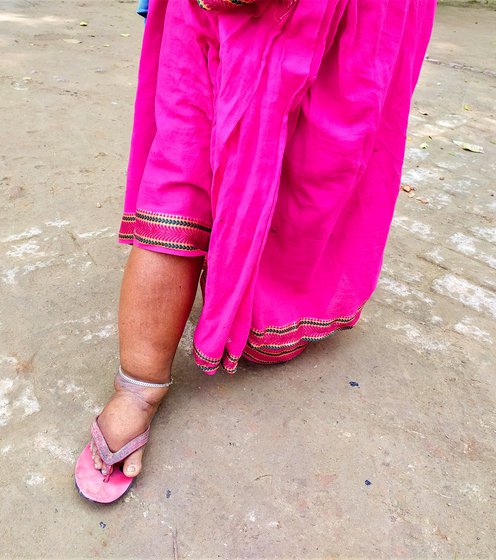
{"points": [[270, 463]]}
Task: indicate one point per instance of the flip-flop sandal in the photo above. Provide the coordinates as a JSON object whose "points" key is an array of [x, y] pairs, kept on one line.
{"points": [[91, 483]]}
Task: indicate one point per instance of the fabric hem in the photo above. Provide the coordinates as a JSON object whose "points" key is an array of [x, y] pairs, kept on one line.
{"points": [[167, 233], [262, 348], [157, 249]]}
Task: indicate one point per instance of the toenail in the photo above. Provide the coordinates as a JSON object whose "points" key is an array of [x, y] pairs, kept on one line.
{"points": [[131, 469], [104, 471], [96, 466]]}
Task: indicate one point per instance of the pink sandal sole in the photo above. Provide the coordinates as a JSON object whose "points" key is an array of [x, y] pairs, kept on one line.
{"points": [[91, 483]]}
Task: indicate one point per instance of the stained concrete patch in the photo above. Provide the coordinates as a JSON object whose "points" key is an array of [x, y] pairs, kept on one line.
{"points": [[17, 399], [471, 295]]}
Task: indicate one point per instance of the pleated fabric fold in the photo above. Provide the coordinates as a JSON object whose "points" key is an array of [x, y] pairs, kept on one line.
{"points": [[270, 139]]}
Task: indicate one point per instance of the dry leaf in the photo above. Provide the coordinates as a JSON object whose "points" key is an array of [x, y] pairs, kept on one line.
{"points": [[469, 147], [467, 107]]}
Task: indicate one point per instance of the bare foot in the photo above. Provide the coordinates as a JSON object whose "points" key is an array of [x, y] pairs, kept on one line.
{"points": [[128, 414]]}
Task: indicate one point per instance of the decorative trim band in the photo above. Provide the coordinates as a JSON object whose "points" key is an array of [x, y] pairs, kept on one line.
{"points": [[290, 341], [274, 352], [165, 230], [261, 357], [306, 329]]}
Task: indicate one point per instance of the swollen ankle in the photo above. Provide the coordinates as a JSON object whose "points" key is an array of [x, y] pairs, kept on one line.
{"points": [[146, 395]]}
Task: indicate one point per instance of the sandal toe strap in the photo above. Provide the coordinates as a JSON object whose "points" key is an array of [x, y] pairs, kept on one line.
{"points": [[111, 457]]}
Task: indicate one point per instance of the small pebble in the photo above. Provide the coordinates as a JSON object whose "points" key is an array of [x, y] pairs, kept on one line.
{"points": [[354, 384], [168, 494], [98, 205], [102, 524], [368, 483]]}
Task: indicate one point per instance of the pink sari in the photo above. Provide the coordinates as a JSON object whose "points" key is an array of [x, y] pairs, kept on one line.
{"points": [[271, 140]]}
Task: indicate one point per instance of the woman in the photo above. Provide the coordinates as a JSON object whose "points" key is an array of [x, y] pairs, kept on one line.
{"points": [[266, 156]]}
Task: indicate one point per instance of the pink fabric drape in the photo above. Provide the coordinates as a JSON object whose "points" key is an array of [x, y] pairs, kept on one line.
{"points": [[272, 140]]}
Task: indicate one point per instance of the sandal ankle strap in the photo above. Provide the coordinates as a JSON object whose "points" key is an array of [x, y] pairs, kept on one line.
{"points": [[134, 381]]}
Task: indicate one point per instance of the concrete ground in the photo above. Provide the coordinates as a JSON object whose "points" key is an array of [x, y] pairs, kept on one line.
{"points": [[270, 463]]}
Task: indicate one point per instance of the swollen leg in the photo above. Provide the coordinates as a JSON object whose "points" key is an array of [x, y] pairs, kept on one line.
{"points": [[157, 293]]}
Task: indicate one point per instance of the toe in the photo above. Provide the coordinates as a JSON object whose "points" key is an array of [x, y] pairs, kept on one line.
{"points": [[132, 464], [96, 458]]}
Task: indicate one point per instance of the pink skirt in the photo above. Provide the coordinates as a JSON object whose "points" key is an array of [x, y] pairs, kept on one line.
{"points": [[270, 139]]}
